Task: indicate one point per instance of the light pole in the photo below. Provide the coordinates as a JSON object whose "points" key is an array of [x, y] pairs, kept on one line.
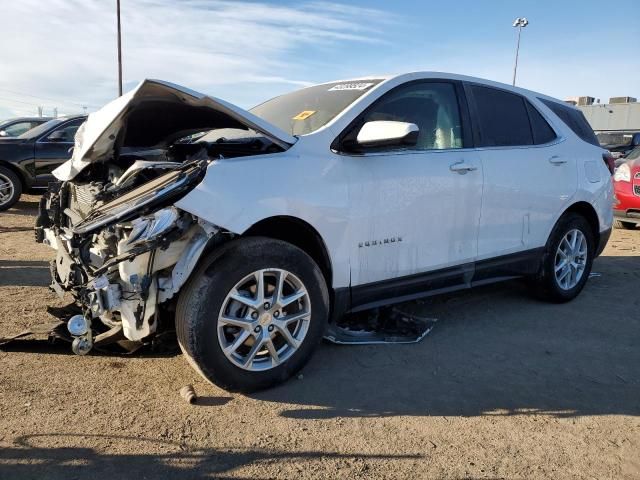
{"points": [[119, 51], [520, 23]]}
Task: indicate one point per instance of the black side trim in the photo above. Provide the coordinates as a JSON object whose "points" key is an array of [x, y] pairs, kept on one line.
{"points": [[402, 289], [602, 240], [468, 275], [341, 303], [513, 265]]}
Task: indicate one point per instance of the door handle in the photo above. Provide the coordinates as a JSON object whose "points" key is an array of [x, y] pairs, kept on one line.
{"points": [[556, 160], [462, 167]]}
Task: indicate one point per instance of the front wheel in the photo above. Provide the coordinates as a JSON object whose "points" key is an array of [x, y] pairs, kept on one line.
{"points": [[252, 314], [567, 260]]}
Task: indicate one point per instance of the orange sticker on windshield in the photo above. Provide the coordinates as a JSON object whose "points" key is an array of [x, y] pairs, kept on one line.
{"points": [[304, 115]]}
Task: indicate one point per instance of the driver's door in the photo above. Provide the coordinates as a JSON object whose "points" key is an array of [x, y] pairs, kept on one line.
{"points": [[415, 210], [53, 149]]}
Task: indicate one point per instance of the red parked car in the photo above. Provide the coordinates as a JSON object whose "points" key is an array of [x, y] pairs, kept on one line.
{"points": [[626, 182]]}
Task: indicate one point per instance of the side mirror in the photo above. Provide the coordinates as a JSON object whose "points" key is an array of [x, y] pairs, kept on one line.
{"points": [[3, 133], [382, 133], [57, 136], [635, 140]]}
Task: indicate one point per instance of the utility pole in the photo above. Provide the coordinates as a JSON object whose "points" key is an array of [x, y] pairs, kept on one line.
{"points": [[39, 110], [55, 112], [119, 51], [519, 23]]}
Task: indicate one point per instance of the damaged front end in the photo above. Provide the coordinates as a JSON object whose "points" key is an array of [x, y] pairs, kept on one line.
{"points": [[123, 250], [128, 255]]}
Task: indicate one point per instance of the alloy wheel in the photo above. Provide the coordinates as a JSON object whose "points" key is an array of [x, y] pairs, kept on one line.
{"points": [[571, 259], [264, 319], [6, 189]]}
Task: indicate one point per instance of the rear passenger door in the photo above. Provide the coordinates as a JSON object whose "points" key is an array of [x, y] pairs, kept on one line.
{"points": [[528, 177]]}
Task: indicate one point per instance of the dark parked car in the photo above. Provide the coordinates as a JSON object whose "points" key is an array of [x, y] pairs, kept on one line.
{"points": [[27, 161], [15, 127], [619, 144]]}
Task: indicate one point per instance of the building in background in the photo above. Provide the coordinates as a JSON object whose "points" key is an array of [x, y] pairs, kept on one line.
{"points": [[615, 123], [580, 100], [621, 114]]}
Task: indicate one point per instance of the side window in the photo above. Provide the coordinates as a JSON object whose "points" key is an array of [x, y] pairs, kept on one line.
{"points": [[65, 133], [542, 131], [432, 106], [503, 118], [574, 119], [18, 129]]}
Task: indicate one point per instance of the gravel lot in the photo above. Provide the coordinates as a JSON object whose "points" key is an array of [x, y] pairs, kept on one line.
{"points": [[504, 387]]}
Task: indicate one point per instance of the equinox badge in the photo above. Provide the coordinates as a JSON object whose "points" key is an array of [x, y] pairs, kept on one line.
{"points": [[373, 243]]}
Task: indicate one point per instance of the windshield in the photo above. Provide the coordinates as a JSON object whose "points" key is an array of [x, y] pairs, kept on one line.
{"points": [[306, 110], [40, 129]]}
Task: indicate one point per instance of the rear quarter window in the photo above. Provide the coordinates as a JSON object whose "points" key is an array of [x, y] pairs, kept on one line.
{"points": [[541, 130], [574, 119]]}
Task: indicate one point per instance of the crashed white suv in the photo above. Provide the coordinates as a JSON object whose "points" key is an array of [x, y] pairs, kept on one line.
{"points": [[252, 233]]}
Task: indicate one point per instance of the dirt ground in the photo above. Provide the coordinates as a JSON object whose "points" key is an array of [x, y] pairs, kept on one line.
{"points": [[504, 387]]}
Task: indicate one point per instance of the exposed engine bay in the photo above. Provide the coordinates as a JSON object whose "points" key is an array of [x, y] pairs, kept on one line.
{"points": [[123, 250]]}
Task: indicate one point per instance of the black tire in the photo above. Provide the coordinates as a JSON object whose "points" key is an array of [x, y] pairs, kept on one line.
{"points": [[11, 177], [545, 283], [624, 225], [203, 296]]}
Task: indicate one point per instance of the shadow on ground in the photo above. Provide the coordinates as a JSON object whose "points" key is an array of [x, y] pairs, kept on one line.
{"points": [[24, 273], [26, 459], [495, 351], [26, 207]]}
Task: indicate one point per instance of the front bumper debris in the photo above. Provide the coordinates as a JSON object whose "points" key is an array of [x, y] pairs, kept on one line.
{"points": [[378, 326]]}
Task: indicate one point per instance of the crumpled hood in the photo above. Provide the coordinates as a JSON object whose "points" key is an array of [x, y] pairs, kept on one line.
{"points": [[153, 115]]}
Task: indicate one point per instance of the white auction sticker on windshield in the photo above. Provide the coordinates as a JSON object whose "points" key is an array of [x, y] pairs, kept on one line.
{"points": [[350, 86]]}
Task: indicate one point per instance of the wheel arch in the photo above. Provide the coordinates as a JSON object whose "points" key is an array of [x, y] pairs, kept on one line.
{"points": [[19, 173], [299, 233], [589, 213]]}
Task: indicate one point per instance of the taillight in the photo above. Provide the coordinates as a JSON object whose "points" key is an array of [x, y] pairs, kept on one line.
{"points": [[609, 161]]}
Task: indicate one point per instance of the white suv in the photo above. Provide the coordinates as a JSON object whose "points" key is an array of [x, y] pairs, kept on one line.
{"points": [[253, 231]]}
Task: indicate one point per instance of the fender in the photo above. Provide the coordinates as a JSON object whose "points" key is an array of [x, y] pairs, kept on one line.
{"points": [[300, 184]]}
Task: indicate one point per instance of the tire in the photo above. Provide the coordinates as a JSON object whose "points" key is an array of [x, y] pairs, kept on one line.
{"points": [[624, 225], [9, 182], [546, 283], [203, 331]]}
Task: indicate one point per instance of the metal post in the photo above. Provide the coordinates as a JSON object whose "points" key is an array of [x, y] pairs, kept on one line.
{"points": [[520, 23], [515, 66], [119, 51]]}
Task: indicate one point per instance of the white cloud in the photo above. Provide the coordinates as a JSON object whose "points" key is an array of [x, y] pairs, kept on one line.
{"points": [[66, 49], [247, 51]]}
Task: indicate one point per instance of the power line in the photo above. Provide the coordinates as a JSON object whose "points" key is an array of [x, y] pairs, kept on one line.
{"points": [[17, 101], [35, 110], [79, 104], [23, 112]]}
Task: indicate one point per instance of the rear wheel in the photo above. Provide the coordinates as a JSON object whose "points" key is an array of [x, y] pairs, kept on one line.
{"points": [[625, 225], [252, 314], [10, 188], [567, 261]]}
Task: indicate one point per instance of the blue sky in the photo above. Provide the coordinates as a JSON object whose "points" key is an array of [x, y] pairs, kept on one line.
{"points": [[246, 52]]}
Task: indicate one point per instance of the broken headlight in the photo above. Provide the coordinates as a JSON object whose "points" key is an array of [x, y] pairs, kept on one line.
{"points": [[150, 227]]}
